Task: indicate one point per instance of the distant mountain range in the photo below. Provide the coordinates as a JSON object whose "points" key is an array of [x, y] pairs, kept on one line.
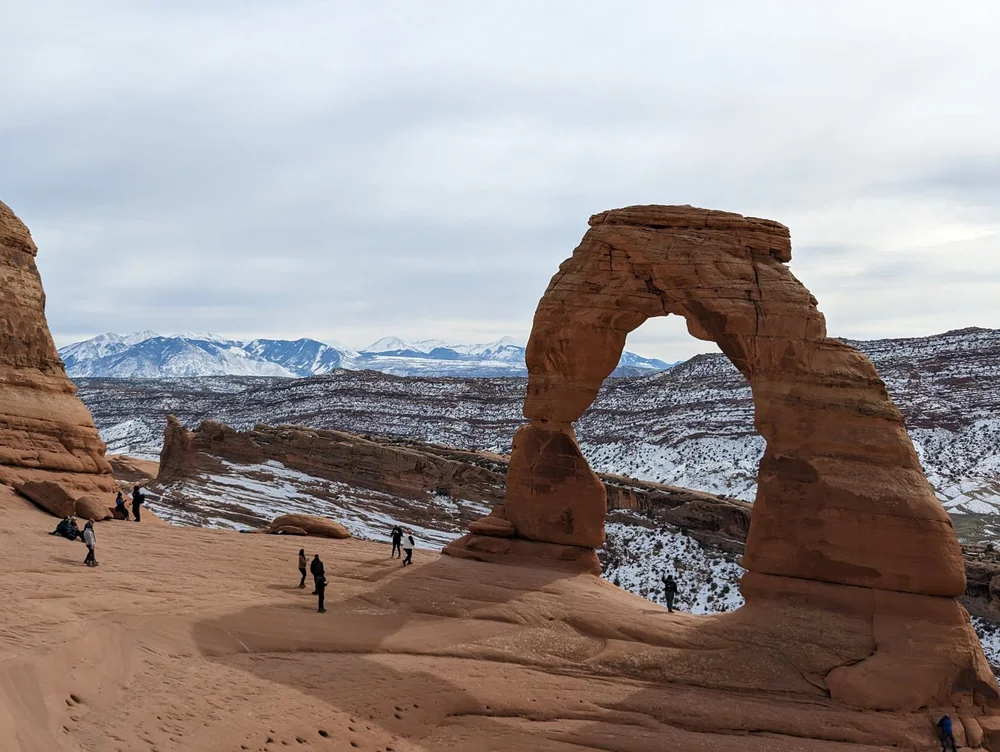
{"points": [[147, 355]]}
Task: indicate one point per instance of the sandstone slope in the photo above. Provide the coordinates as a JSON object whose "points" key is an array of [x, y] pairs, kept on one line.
{"points": [[187, 639]]}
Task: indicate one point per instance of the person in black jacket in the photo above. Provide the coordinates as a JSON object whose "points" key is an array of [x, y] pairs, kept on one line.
{"points": [[669, 591], [397, 541], [137, 499], [321, 591], [318, 571]]}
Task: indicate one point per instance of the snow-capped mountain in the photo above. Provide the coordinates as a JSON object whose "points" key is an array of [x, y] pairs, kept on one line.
{"points": [[690, 426], [148, 355]]}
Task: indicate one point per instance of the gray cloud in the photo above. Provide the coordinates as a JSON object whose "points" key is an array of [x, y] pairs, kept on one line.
{"points": [[308, 168]]}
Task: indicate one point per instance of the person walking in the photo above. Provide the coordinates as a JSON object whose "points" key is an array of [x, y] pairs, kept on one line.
{"points": [[91, 541], [408, 549], [317, 570], [137, 499], [302, 566], [321, 592], [669, 591], [947, 734], [397, 540], [120, 508]]}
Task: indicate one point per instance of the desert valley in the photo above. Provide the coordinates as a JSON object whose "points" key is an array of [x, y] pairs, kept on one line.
{"points": [[826, 506]]}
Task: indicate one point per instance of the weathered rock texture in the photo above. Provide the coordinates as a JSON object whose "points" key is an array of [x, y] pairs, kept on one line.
{"points": [[46, 433], [844, 519], [308, 524], [51, 497]]}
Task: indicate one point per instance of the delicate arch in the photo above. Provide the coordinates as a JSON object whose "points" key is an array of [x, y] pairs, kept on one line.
{"points": [[841, 495]]}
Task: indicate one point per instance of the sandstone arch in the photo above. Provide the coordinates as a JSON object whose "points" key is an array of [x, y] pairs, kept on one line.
{"points": [[841, 495], [846, 532]]}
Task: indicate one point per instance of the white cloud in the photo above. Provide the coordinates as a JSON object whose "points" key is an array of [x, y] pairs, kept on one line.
{"points": [[312, 168]]}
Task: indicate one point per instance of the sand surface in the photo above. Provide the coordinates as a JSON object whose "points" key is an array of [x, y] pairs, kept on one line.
{"points": [[190, 639]]}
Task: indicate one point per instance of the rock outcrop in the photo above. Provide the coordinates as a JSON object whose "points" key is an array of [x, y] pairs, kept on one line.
{"points": [[844, 520], [46, 433], [50, 496], [92, 507], [409, 475], [308, 524]]}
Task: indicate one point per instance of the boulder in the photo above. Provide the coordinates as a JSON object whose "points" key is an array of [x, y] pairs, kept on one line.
{"points": [[91, 507], [50, 496], [288, 530], [311, 524]]}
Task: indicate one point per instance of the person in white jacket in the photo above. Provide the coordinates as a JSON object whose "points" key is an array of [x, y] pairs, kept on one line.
{"points": [[91, 540], [408, 548]]}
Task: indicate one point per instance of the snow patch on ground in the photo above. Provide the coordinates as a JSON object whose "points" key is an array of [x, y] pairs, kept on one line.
{"points": [[244, 497], [636, 558]]}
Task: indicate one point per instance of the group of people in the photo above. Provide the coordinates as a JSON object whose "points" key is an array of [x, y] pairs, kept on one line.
{"points": [[138, 497], [401, 543], [67, 529], [318, 572]]}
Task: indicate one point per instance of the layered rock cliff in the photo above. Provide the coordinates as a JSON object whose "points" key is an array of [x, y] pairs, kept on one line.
{"points": [[46, 432], [382, 481]]}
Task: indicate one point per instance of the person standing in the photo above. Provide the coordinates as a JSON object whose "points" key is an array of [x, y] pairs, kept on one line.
{"points": [[669, 591], [947, 734], [302, 566], [91, 541], [317, 570], [408, 549], [137, 499], [321, 592], [397, 540]]}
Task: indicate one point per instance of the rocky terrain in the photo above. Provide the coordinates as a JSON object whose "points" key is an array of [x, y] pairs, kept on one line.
{"points": [[218, 478], [850, 633], [147, 355], [691, 426]]}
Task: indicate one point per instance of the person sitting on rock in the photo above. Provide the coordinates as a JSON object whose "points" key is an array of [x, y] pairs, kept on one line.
{"points": [[408, 548], [669, 591], [302, 566], [137, 499], [947, 735], [66, 529], [91, 540], [120, 508], [397, 540], [317, 570]]}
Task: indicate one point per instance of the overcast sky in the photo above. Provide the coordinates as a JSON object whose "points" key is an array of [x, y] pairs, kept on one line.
{"points": [[348, 170]]}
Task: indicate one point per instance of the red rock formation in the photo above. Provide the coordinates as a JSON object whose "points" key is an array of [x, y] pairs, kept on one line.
{"points": [[51, 497], [310, 524], [46, 433], [844, 519]]}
